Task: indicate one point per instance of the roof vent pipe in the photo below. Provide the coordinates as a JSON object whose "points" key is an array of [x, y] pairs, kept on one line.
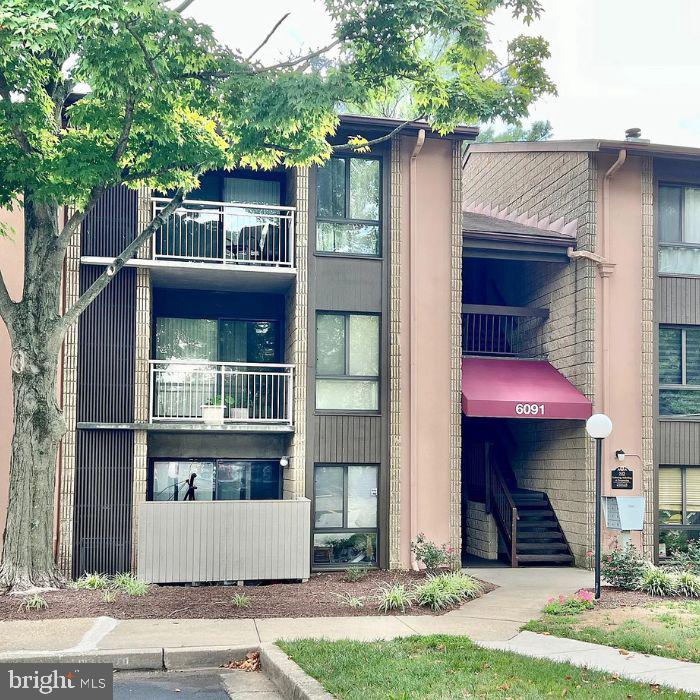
{"points": [[635, 135]]}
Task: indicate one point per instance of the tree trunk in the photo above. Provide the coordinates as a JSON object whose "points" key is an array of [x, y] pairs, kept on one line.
{"points": [[36, 332]]}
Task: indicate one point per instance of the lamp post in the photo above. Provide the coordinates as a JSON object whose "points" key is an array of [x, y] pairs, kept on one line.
{"points": [[598, 426]]}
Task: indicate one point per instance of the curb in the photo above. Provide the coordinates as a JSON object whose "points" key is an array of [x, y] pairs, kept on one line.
{"points": [[290, 679], [121, 659]]}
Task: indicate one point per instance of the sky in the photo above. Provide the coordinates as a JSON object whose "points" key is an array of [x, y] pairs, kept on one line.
{"points": [[616, 63]]}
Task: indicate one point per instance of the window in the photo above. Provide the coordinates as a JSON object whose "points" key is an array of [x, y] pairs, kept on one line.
{"points": [[348, 193], [679, 506], [679, 371], [347, 362], [345, 514], [679, 229], [220, 480]]}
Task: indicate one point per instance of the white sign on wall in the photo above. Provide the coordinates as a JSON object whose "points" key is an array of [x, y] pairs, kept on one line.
{"points": [[624, 512]]}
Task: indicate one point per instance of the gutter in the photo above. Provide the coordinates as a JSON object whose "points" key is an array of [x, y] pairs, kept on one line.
{"points": [[413, 342]]}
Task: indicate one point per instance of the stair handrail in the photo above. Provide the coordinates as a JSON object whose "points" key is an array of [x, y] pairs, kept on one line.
{"points": [[501, 503]]}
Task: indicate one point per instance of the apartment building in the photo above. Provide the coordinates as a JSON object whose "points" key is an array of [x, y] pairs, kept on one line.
{"points": [[621, 323]]}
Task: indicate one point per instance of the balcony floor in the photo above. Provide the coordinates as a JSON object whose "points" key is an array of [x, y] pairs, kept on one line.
{"points": [[184, 427], [177, 274]]}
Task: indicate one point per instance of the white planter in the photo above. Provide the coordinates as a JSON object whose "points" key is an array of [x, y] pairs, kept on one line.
{"points": [[238, 414], [213, 415]]}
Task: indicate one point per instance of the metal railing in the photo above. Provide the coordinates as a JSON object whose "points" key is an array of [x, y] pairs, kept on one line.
{"points": [[225, 233], [510, 331], [500, 503], [183, 390]]}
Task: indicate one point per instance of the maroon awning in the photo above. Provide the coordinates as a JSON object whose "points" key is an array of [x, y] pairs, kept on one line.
{"points": [[509, 388]]}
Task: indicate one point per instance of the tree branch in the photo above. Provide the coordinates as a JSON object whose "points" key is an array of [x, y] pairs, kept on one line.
{"points": [[268, 37], [380, 139], [147, 56], [7, 306], [183, 6], [126, 129], [291, 63], [127, 254]]}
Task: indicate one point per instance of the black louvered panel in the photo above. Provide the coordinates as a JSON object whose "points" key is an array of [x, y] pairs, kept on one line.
{"points": [[111, 225], [106, 349], [103, 486]]}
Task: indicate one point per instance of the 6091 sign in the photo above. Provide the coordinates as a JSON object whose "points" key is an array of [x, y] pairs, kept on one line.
{"points": [[529, 409]]}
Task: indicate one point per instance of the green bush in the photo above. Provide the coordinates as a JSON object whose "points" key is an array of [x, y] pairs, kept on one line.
{"points": [[624, 568], [430, 555], [688, 584], [93, 582], [395, 597], [657, 581], [34, 602], [688, 557], [445, 590], [351, 601], [240, 600], [356, 573], [583, 600]]}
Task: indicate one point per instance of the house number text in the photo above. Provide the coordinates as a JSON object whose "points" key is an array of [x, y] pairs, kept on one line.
{"points": [[529, 409]]}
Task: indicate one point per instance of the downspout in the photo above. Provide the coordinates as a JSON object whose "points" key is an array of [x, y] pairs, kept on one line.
{"points": [[413, 341]]}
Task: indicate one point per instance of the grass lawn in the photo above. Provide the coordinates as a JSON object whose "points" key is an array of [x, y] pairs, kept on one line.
{"points": [[663, 628], [452, 667]]}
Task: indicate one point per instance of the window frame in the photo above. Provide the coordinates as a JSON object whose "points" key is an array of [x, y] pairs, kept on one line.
{"points": [[215, 461], [683, 386], [345, 466], [684, 499], [379, 222], [345, 376], [682, 243]]}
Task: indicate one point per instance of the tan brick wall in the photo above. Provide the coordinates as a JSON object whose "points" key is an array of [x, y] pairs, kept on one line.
{"points": [[481, 535], [555, 456]]}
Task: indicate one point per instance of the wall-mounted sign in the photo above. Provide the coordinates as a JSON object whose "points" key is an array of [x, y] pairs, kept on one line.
{"points": [[622, 478]]}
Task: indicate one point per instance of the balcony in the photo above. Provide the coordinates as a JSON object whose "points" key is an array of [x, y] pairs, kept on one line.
{"points": [[220, 246], [221, 395], [503, 331]]}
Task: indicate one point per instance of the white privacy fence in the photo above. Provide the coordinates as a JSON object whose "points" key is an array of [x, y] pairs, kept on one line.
{"points": [[226, 233], [246, 393]]}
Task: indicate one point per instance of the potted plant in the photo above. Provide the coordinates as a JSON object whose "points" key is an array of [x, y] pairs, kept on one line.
{"points": [[213, 411], [237, 405]]}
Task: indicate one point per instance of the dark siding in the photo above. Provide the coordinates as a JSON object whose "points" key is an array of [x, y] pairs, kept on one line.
{"points": [[678, 442], [103, 483], [679, 300], [106, 347], [348, 439], [111, 225]]}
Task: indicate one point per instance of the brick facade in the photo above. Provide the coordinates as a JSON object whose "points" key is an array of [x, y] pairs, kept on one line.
{"points": [[554, 456]]}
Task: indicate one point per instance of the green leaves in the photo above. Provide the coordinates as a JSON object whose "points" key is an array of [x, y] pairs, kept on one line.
{"points": [[164, 101]]}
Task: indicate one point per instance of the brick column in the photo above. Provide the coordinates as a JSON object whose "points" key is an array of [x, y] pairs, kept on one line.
{"points": [[395, 360]]}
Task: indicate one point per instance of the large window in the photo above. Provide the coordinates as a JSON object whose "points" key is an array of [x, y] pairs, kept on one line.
{"points": [[679, 506], [679, 229], [679, 371], [220, 480], [348, 207], [347, 362], [345, 514]]}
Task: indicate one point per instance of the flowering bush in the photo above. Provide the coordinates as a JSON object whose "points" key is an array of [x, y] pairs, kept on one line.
{"points": [[583, 600], [430, 555], [624, 568]]}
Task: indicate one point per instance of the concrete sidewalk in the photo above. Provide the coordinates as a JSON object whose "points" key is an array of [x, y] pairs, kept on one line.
{"points": [[497, 616]]}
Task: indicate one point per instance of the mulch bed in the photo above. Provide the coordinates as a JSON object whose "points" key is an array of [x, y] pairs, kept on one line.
{"points": [[612, 597], [318, 597]]}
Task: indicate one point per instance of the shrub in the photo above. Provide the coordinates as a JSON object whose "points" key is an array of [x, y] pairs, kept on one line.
{"points": [[657, 581], [34, 602], [355, 573], [109, 596], [128, 583], [688, 584], [93, 582], [624, 568], [240, 600], [687, 558], [430, 555], [352, 601], [395, 597], [445, 590], [583, 600]]}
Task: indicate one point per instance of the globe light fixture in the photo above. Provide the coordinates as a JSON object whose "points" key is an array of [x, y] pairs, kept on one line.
{"points": [[599, 426]]}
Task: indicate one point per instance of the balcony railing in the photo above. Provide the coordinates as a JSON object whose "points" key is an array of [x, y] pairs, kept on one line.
{"points": [[509, 331], [185, 391], [226, 233]]}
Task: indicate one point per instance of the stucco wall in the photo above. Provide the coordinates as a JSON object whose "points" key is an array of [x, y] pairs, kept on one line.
{"points": [[12, 266], [432, 319], [555, 456]]}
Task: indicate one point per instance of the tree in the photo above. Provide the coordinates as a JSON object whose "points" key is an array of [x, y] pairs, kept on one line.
{"points": [[538, 131], [165, 103]]}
